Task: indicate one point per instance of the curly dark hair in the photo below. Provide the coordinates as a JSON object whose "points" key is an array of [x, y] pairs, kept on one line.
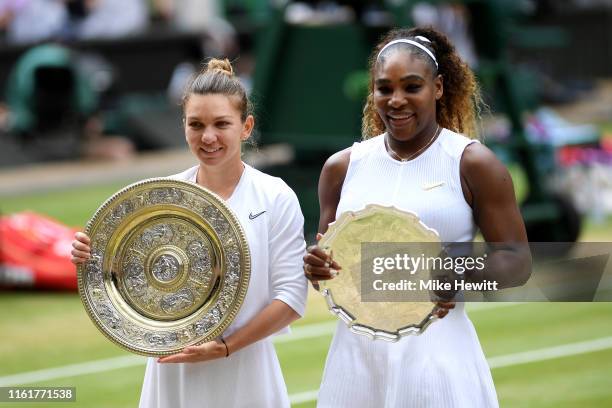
{"points": [[461, 103]]}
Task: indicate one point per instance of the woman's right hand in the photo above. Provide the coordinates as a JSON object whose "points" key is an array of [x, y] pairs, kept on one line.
{"points": [[319, 265], [81, 251]]}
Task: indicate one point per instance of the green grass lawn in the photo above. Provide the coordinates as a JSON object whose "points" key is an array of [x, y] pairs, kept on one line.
{"points": [[46, 330], [579, 381], [51, 330], [72, 206]]}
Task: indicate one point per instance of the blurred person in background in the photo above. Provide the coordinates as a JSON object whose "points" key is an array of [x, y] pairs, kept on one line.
{"points": [[52, 109], [218, 37], [202, 16], [106, 18], [28, 21], [454, 21]]}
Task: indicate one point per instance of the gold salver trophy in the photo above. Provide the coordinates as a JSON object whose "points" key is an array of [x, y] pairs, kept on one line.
{"points": [[170, 267], [375, 224]]}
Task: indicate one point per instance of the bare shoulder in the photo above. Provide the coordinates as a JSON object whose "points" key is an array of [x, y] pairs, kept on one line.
{"points": [[477, 156], [480, 165], [337, 164], [333, 173], [490, 193], [484, 177]]}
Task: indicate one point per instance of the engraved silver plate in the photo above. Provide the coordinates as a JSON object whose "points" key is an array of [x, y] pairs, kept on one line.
{"points": [[170, 267]]}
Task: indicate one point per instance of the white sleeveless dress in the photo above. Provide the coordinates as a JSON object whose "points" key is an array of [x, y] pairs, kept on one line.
{"points": [[445, 366]]}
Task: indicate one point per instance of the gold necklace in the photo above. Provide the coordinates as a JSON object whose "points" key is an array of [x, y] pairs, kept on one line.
{"points": [[405, 159]]}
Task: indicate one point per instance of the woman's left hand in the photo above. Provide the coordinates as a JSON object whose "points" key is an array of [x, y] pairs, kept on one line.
{"points": [[193, 354]]}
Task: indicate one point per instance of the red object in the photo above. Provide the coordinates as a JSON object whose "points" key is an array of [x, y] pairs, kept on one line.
{"points": [[606, 142], [35, 252]]}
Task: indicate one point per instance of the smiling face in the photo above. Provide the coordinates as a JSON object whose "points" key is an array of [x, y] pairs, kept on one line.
{"points": [[214, 129], [405, 94]]}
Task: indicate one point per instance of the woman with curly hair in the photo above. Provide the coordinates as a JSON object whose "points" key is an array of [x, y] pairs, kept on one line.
{"points": [[419, 124]]}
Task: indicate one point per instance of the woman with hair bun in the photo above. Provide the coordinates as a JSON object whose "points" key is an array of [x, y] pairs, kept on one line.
{"points": [[418, 123], [240, 368]]}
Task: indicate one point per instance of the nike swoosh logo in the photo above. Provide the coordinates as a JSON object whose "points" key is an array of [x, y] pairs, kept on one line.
{"points": [[252, 217], [432, 185]]}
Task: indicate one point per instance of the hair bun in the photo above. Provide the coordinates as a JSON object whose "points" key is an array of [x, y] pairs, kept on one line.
{"points": [[222, 65]]}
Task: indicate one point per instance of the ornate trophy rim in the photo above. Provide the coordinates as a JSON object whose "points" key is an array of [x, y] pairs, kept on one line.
{"points": [[243, 280], [344, 315]]}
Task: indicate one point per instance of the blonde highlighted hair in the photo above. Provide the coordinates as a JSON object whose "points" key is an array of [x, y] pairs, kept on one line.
{"points": [[461, 104]]}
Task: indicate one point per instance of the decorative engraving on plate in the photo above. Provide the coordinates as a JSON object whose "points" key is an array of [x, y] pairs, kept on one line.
{"points": [[175, 279], [93, 270], [165, 268], [201, 265], [159, 234], [134, 334], [176, 302], [217, 220], [184, 267], [161, 339], [135, 280], [109, 316], [165, 195]]}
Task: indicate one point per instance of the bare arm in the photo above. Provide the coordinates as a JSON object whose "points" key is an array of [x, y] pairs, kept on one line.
{"points": [[330, 186], [488, 188], [271, 319], [288, 288], [317, 264]]}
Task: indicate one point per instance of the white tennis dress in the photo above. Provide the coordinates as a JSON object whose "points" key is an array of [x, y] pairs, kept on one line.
{"points": [[445, 366], [269, 212]]}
